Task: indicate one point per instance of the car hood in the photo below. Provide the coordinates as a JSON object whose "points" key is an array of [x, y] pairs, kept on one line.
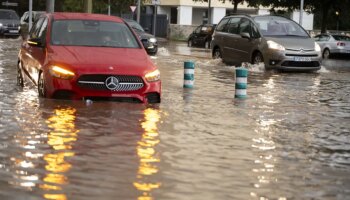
{"points": [[144, 35], [92, 60], [294, 42]]}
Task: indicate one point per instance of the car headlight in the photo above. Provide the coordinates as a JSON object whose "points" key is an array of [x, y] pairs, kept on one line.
{"points": [[274, 45], [153, 76], [0, 24], [60, 72], [317, 47], [153, 40]]}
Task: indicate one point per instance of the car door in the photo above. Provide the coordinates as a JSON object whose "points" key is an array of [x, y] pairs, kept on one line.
{"points": [[229, 53], [195, 35], [36, 53], [244, 46]]}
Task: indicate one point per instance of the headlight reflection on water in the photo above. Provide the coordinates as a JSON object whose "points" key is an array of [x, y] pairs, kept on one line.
{"points": [[61, 138], [147, 154]]}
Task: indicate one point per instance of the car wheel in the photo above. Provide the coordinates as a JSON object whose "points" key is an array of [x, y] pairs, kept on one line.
{"points": [[207, 45], [190, 44], [258, 58], [41, 85], [217, 54], [20, 81], [326, 54]]}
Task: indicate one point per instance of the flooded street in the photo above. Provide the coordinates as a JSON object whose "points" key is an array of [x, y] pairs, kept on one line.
{"points": [[289, 139]]}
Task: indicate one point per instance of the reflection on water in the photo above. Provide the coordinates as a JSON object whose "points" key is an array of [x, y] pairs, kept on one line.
{"points": [[148, 156], [61, 138]]}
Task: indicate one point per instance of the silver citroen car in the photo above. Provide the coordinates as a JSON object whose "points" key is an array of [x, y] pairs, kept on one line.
{"points": [[278, 42]]}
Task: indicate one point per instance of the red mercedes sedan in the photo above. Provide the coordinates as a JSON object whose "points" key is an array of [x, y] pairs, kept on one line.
{"points": [[87, 56]]}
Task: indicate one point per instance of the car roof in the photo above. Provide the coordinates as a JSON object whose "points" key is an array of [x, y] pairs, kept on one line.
{"points": [[86, 16]]}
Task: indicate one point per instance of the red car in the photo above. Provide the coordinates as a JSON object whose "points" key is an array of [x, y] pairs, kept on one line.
{"points": [[87, 56]]}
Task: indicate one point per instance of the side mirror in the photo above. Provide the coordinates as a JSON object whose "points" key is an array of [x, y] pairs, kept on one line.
{"points": [[36, 42], [245, 35]]}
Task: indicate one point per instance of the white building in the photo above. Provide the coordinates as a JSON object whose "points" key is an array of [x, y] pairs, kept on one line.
{"points": [[190, 13]]}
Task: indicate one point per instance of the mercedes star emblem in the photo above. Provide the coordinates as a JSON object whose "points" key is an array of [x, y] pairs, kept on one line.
{"points": [[112, 83]]}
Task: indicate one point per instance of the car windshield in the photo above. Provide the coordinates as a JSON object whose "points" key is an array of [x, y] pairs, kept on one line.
{"points": [[279, 26], [341, 37], [4, 14], [92, 33], [135, 25]]}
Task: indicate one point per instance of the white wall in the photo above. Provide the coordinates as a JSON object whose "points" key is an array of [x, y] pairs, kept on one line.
{"points": [[263, 12], [184, 15], [217, 14], [163, 10], [308, 20], [197, 16]]}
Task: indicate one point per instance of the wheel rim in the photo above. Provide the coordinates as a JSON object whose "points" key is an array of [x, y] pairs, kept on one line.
{"points": [[258, 59], [41, 85], [20, 81], [217, 54], [326, 53]]}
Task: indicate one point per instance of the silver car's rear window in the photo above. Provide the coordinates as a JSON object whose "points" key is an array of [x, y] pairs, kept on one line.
{"points": [[341, 37], [279, 26], [92, 33]]}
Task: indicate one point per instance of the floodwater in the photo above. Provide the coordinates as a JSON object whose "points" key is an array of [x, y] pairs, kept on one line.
{"points": [[289, 139]]}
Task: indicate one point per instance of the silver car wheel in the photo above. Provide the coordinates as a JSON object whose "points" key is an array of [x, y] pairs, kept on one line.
{"points": [[217, 54], [326, 54], [258, 58]]}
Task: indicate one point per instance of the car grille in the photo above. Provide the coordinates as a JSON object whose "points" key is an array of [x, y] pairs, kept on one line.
{"points": [[303, 55], [12, 25], [298, 50], [98, 82], [300, 64]]}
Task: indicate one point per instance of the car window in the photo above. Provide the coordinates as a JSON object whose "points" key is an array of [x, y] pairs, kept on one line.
{"points": [[324, 38], [42, 31], [8, 14], [279, 26], [244, 26], [34, 32], [317, 38], [341, 37], [92, 33], [135, 25], [233, 25], [255, 32], [222, 24], [198, 29]]}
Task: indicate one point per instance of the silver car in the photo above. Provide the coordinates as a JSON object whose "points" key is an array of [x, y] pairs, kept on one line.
{"points": [[332, 44], [278, 42]]}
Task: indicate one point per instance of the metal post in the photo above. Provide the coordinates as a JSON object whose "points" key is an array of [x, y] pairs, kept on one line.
{"points": [[138, 10], [50, 6], [209, 11], [109, 7], [88, 6], [155, 19], [301, 12], [30, 14]]}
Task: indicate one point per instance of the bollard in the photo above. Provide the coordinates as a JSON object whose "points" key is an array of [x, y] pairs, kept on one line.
{"points": [[188, 74], [241, 82]]}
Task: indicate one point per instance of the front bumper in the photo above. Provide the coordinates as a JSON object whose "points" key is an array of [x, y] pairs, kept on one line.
{"points": [[70, 89], [6, 31], [292, 60]]}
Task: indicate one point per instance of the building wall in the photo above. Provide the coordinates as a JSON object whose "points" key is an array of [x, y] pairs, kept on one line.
{"points": [[308, 20]]}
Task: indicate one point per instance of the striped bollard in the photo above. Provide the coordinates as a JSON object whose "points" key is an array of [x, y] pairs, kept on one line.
{"points": [[188, 74], [241, 82]]}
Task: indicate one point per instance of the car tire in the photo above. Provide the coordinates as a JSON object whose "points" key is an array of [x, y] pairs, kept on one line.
{"points": [[326, 54], [190, 43], [207, 44], [257, 58], [41, 85], [217, 53], [20, 80]]}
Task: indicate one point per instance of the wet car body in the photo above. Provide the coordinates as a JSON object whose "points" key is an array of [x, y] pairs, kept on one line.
{"points": [[9, 23], [333, 44], [244, 38], [201, 36], [149, 41], [83, 67]]}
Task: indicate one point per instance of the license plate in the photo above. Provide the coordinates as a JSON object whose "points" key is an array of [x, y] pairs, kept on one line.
{"points": [[302, 59], [13, 31]]}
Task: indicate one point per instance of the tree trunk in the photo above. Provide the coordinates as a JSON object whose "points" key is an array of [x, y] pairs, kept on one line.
{"points": [[235, 6], [325, 10]]}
